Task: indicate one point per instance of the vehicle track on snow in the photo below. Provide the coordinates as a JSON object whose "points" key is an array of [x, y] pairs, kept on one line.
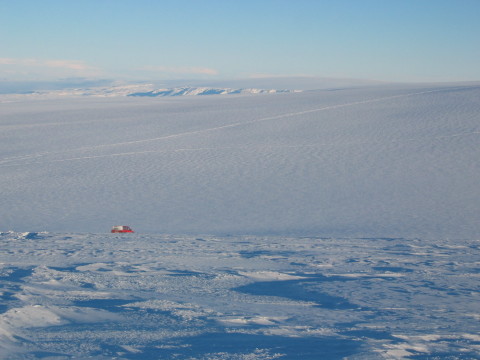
{"points": [[24, 159]]}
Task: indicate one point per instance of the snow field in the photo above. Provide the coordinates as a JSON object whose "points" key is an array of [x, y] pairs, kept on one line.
{"points": [[361, 206], [163, 296], [375, 161]]}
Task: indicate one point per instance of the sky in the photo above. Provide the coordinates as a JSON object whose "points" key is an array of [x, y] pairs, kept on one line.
{"points": [[386, 40]]}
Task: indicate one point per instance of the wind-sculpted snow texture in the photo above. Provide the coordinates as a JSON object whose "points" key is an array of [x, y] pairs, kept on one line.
{"points": [[135, 296], [377, 161], [352, 218]]}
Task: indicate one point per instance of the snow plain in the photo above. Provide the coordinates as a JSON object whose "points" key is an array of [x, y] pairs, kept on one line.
{"points": [[342, 223], [380, 161]]}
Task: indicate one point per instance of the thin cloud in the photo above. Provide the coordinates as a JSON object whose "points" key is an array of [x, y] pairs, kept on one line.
{"points": [[195, 70], [67, 64], [267, 76], [12, 61], [46, 68]]}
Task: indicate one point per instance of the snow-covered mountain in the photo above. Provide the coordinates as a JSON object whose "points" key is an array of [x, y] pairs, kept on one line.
{"points": [[191, 91], [149, 90], [110, 87]]}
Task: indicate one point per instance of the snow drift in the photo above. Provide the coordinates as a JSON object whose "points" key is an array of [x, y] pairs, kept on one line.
{"points": [[105, 296]]}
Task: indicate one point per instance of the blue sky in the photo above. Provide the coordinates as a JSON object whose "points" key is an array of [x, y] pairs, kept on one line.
{"points": [[390, 40]]}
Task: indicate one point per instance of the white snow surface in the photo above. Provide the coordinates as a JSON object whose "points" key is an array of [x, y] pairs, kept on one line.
{"points": [[371, 161], [342, 224], [152, 296]]}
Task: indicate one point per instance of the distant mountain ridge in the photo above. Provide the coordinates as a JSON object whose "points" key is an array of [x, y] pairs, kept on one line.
{"points": [[145, 90], [106, 87], [193, 91]]}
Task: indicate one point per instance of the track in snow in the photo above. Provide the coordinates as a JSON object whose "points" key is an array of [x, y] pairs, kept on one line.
{"points": [[217, 128], [377, 161]]}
